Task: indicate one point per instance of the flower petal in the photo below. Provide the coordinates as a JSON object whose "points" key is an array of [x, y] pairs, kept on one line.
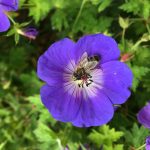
{"points": [[9, 5], [52, 63], [94, 111], [29, 32], [144, 116], [63, 106], [148, 143], [98, 44], [4, 22], [117, 79]]}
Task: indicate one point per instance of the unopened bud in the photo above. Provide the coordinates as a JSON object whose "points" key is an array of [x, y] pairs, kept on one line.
{"points": [[126, 57]]}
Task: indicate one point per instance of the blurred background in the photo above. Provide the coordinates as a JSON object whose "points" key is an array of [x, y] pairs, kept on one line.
{"points": [[24, 122]]}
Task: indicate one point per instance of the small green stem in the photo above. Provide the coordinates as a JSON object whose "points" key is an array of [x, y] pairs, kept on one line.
{"points": [[29, 5], [148, 29], [136, 19], [25, 6], [137, 44], [79, 13], [11, 19], [141, 147], [123, 39]]}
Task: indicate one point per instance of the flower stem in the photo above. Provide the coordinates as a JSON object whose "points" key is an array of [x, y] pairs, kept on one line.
{"points": [[123, 39], [141, 147], [137, 19], [29, 5], [148, 29], [79, 13], [136, 45], [11, 19], [25, 6]]}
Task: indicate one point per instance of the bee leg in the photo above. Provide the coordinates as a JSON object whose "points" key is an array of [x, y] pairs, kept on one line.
{"points": [[90, 81], [89, 76], [80, 85], [87, 84]]}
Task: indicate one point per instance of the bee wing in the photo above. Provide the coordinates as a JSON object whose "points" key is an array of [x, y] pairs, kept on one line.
{"points": [[90, 65], [83, 59]]}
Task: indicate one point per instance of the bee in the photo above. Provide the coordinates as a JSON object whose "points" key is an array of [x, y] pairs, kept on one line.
{"points": [[94, 58], [86, 64], [79, 73]]}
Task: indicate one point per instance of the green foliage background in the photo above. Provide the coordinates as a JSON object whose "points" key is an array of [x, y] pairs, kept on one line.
{"points": [[24, 122]]}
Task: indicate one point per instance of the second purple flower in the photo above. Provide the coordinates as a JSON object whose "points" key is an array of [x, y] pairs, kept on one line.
{"points": [[144, 116], [5, 6]]}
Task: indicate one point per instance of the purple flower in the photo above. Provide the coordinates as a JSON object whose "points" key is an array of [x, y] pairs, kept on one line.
{"points": [[6, 5], [84, 80], [30, 33], [148, 143], [144, 116]]}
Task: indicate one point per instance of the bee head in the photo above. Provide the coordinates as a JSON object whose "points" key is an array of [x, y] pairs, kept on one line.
{"points": [[94, 58]]}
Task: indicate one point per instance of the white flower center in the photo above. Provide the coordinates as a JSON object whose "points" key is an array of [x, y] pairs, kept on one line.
{"points": [[83, 77]]}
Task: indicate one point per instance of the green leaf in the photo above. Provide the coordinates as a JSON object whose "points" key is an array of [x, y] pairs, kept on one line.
{"points": [[24, 24], [131, 6], [30, 83], [10, 32], [43, 133], [2, 145], [105, 136], [146, 9], [21, 2], [136, 136], [104, 4], [40, 9], [95, 2], [59, 20], [137, 7], [92, 23], [73, 146], [17, 56], [139, 73], [17, 36], [36, 101], [118, 147], [47, 138]]}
